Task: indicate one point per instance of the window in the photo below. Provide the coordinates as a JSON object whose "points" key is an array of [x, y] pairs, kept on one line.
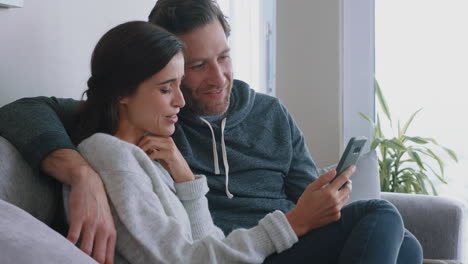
{"points": [[421, 62], [252, 41]]}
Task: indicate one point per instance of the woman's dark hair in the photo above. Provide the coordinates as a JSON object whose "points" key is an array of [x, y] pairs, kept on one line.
{"points": [[183, 16], [123, 58]]}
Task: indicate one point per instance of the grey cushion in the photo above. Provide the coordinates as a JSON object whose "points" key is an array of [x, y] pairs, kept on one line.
{"points": [[39, 196], [432, 261], [437, 222], [365, 179], [24, 239]]}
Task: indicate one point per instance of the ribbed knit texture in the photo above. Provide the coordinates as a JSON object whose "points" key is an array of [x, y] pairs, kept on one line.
{"points": [[156, 225]]}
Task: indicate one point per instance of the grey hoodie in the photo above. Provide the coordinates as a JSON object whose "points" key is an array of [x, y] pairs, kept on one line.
{"points": [[268, 162]]}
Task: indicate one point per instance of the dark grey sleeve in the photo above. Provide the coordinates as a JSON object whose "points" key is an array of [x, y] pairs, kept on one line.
{"points": [[37, 126], [303, 170]]}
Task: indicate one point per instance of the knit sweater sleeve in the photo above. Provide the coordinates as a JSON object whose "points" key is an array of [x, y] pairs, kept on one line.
{"points": [[37, 126], [149, 229], [192, 195]]}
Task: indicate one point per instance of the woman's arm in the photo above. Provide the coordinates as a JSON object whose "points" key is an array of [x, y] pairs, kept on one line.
{"points": [[192, 195], [147, 233]]}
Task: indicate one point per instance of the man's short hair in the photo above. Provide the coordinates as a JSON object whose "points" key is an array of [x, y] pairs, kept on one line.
{"points": [[183, 16]]}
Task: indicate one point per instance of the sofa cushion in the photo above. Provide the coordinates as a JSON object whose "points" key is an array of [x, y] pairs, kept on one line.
{"points": [[433, 261], [24, 239], [437, 222], [366, 182], [39, 196]]}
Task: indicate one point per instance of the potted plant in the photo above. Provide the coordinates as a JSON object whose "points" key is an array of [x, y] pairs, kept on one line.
{"points": [[406, 163]]}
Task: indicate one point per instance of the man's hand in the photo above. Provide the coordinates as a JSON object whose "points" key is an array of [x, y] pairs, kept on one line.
{"points": [[321, 204], [91, 221]]}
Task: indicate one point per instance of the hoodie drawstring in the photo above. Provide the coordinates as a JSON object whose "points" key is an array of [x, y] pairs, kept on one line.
{"points": [[215, 154], [225, 161]]}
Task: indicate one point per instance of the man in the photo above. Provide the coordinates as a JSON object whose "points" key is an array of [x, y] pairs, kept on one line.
{"points": [[247, 144]]}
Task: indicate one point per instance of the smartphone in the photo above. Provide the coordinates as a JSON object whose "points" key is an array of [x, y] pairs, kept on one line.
{"points": [[350, 155]]}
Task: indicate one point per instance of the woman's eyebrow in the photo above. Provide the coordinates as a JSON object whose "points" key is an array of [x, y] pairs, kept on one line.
{"points": [[168, 81]]}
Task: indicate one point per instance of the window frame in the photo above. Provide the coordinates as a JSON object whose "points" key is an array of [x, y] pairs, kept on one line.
{"points": [[357, 68]]}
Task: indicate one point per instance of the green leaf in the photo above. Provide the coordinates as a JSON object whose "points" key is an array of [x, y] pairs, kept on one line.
{"points": [[400, 136], [408, 180], [367, 118], [402, 188], [417, 189], [395, 143], [439, 161], [408, 123], [451, 153], [412, 182], [437, 175], [420, 176], [415, 156], [407, 170], [382, 101], [378, 129], [418, 140], [432, 140], [375, 143], [434, 191]]}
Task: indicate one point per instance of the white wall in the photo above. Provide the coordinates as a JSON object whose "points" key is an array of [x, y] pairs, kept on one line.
{"points": [[308, 72], [46, 46], [325, 70]]}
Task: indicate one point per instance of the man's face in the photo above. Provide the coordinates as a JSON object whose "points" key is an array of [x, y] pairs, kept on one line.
{"points": [[208, 70]]}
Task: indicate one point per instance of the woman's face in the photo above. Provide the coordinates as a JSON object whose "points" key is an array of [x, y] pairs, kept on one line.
{"points": [[155, 105]]}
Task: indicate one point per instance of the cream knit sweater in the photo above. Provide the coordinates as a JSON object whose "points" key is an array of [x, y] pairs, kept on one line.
{"points": [[159, 221]]}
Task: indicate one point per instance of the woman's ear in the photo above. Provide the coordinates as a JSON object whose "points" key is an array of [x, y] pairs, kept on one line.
{"points": [[123, 100]]}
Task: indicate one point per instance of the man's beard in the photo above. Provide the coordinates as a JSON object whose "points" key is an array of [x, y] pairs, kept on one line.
{"points": [[198, 108]]}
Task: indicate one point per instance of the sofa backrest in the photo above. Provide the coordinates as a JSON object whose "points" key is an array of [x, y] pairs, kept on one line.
{"points": [[366, 180], [38, 195]]}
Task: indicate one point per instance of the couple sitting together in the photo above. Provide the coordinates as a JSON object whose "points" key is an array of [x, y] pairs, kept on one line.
{"points": [[177, 162]]}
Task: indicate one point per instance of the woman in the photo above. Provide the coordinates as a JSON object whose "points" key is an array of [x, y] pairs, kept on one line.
{"points": [[159, 206]]}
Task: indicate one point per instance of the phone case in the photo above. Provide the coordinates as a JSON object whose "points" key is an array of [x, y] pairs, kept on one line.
{"points": [[351, 154]]}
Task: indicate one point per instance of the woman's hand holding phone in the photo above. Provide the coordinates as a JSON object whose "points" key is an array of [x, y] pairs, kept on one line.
{"points": [[321, 202], [166, 152]]}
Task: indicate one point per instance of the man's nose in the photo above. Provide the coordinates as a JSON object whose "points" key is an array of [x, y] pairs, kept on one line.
{"points": [[217, 76]]}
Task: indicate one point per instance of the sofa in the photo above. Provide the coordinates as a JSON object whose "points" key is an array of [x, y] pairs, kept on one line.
{"points": [[33, 229]]}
